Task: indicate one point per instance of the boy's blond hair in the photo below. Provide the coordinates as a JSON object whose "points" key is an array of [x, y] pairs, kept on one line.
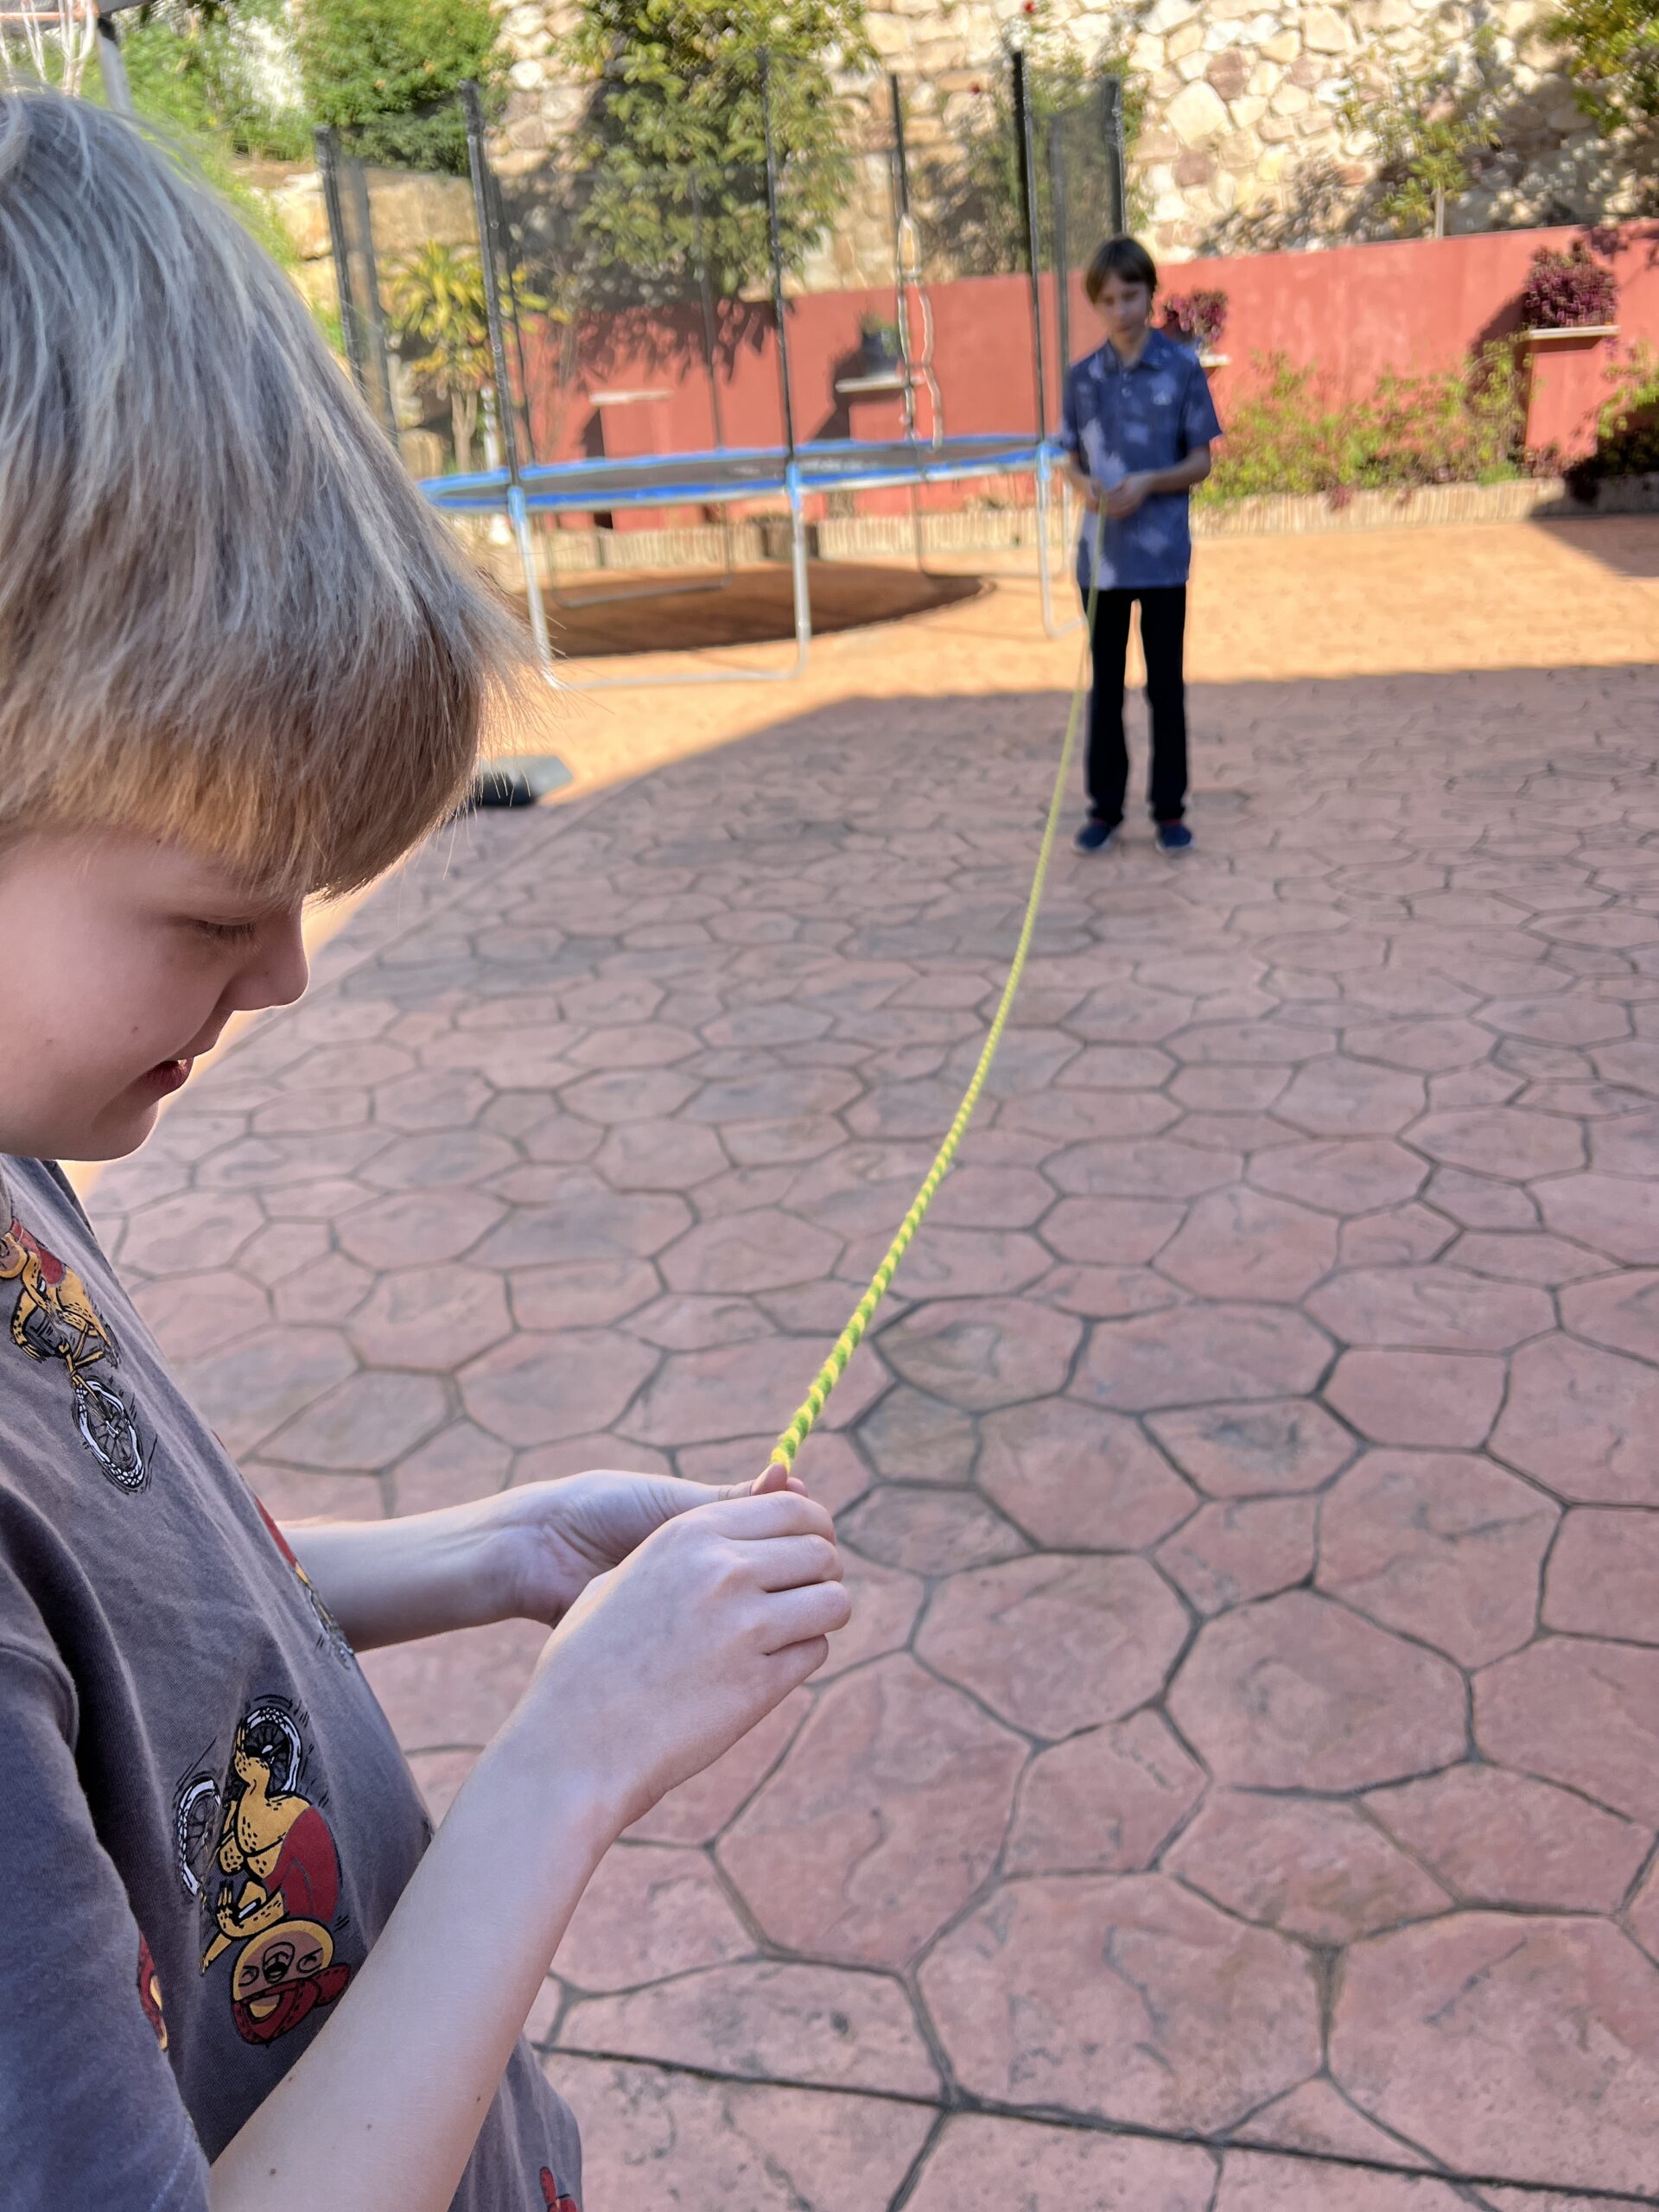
{"points": [[226, 616]]}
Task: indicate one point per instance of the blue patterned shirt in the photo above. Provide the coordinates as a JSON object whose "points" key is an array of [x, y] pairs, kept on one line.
{"points": [[1119, 422]]}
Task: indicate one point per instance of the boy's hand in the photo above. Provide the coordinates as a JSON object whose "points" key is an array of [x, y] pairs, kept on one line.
{"points": [[1123, 499], [661, 1664], [553, 1538]]}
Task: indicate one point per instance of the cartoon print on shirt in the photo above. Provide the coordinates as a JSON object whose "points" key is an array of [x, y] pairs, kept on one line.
{"points": [[258, 1860], [149, 1990], [333, 1636], [54, 1318], [553, 2196]]}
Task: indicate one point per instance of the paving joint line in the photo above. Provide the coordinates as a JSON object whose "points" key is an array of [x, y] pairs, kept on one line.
{"points": [[966, 2105]]}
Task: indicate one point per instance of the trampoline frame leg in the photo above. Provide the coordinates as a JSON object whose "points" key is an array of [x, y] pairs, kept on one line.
{"points": [[519, 515], [1052, 626]]}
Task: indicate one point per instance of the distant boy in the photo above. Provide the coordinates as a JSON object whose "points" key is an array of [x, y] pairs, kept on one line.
{"points": [[1138, 425], [239, 663]]}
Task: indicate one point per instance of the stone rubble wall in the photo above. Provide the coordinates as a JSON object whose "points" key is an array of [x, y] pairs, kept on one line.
{"points": [[1243, 146]]}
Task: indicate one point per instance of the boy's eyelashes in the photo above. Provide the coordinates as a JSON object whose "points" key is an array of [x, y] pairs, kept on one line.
{"points": [[224, 932]]}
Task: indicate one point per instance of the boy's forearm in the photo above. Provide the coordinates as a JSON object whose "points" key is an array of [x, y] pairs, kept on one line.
{"points": [[1184, 475], [391, 1581], [382, 2111]]}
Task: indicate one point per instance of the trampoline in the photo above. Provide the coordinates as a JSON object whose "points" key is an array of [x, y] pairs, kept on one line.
{"points": [[817, 474], [719, 477]]}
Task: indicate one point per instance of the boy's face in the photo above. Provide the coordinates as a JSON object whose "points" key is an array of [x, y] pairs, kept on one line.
{"points": [[1125, 309], [121, 960]]}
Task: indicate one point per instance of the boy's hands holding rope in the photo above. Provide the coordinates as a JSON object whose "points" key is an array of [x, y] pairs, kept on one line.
{"points": [[665, 1660]]}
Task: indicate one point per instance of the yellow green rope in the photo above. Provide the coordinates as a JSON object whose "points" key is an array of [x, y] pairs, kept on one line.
{"points": [[783, 1453]]}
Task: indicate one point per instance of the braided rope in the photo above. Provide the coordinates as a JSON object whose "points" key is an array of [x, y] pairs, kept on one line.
{"points": [[783, 1453]]}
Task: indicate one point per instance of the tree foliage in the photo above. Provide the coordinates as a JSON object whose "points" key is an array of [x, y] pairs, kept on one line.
{"points": [[382, 70], [1612, 49], [211, 72], [1429, 124], [676, 95], [973, 212], [439, 305]]}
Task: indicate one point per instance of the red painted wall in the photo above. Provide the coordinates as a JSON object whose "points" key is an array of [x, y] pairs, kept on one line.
{"points": [[1353, 312]]}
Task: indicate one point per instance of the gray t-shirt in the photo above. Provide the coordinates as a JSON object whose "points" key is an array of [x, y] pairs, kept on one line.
{"points": [[204, 1818]]}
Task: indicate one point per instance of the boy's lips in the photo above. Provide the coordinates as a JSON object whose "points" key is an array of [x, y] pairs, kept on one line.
{"points": [[167, 1076]]}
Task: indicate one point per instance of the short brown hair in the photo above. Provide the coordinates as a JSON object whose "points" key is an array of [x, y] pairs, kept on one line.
{"points": [[227, 615], [1121, 256]]}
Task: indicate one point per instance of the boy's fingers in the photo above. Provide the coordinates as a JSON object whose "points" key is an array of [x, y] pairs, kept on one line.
{"points": [[774, 1476], [779, 1513], [794, 1562]]}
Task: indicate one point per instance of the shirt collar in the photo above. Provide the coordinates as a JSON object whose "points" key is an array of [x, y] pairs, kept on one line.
{"points": [[1108, 363]]}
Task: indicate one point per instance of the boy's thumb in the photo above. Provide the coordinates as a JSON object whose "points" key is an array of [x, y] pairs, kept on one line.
{"points": [[775, 1477]]}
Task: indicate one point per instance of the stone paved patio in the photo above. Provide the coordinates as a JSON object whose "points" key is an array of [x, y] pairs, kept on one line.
{"points": [[1238, 1787]]}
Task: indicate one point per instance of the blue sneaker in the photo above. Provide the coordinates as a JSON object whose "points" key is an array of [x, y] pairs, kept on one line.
{"points": [[1096, 835], [1174, 837]]}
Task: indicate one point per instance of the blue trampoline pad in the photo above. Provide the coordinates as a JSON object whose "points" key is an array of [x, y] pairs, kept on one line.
{"points": [[664, 480]]}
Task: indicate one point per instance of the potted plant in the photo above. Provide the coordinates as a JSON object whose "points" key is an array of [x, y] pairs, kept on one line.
{"points": [[1198, 318], [1568, 296]]}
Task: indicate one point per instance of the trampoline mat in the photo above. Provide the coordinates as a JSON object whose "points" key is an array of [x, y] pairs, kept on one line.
{"points": [[757, 606]]}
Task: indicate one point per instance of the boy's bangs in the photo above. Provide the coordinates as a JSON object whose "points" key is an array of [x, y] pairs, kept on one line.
{"points": [[226, 614]]}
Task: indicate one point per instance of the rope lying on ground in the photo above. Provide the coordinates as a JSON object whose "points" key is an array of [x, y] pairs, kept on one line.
{"points": [[783, 1453]]}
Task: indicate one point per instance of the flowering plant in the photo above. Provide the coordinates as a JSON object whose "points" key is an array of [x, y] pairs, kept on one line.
{"points": [[1569, 291], [1196, 318]]}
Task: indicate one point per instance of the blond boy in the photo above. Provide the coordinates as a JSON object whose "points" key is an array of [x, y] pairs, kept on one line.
{"points": [[238, 666]]}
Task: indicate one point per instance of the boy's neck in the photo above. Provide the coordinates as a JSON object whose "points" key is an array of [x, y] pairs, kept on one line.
{"points": [[1129, 350]]}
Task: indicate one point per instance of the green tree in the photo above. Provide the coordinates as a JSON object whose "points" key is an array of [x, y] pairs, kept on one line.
{"points": [[1612, 57], [439, 306], [382, 70], [213, 73], [970, 205], [1429, 124], [677, 94]]}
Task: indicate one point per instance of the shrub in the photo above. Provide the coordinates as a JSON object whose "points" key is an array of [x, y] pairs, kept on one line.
{"points": [[1196, 318], [1627, 431], [1569, 291], [1462, 426], [1612, 49], [382, 71], [208, 73]]}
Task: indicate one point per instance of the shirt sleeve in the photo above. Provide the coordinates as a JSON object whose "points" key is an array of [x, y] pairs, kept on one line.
{"points": [[1069, 428], [90, 2112], [1199, 420]]}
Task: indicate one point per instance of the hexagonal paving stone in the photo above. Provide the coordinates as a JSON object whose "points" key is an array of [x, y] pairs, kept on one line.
{"points": [[1603, 1575], [912, 1438], [744, 1252], [980, 1353], [1055, 1643], [577, 1293], [441, 1159], [1579, 1712], [1240, 1244], [195, 1230], [928, 1531], [1072, 1477], [1341, 1176], [1443, 1545], [1316, 1871], [1519, 1256], [589, 1221], [191, 1316], [647, 1913], [1155, 1167], [409, 1229], [533, 1389], [1437, 1308], [1115, 1232], [431, 1317], [1339, 1097], [1198, 1352], [1425, 1398], [1123, 1997], [1428, 1047], [1318, 2117], [1620, 1311], [366, 1422], [1501, 1141], [885, 1601], [745, 1389], [660, 1155], [700, 1807], [1250, 1450], [1299, 1694], [1529, 2048], [1104, 1802], [1238, 1548], [247, 1392], [1612, 1214], [1582, 1421], [885, 1817], [1256, 2181], [441, 1098], [1496, 1837], [981, 2164]]}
